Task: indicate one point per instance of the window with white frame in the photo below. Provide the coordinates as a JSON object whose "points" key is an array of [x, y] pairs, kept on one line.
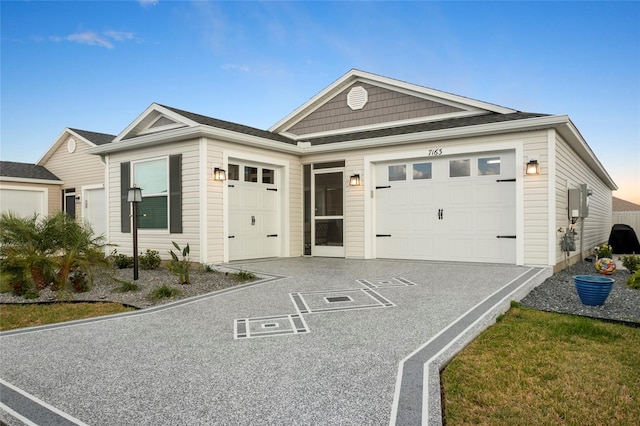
{"points": [[153, 177]]}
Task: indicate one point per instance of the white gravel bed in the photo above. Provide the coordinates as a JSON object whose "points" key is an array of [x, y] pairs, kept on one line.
{"points": [[558, 294], [103, 288]]}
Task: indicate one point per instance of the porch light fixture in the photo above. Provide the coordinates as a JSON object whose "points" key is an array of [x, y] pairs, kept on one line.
{"points": [[219, 174], [134, 196], [533, 168], [354, 180]]}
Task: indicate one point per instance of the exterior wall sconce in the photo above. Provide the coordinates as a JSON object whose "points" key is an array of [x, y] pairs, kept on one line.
{"points": [[134, 196], [354, 180], [533, 168], [219, 174]]}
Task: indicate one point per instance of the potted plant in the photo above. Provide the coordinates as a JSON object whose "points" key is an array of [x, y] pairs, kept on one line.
{"points": [[593, 290], [605, 263]]}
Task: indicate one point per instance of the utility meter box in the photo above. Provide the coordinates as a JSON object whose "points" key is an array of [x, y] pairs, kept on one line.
{"points": [[579, 202]]}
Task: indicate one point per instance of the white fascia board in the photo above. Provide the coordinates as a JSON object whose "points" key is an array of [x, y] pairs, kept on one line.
{"points": [[59, 140], [385, 125], [151, 108], [192, 133], [456, 132], [574, 138], [30, 180]]}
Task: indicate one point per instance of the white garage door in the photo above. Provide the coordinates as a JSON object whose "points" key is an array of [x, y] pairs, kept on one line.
{"points": [[456, 209], [22, 202], [253, 211]]}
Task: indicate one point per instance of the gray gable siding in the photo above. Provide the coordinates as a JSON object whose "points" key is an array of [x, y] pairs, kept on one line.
{"points": [[25, 171], [383, 106]]}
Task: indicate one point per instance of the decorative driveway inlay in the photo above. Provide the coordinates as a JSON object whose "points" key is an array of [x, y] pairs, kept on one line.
{"points": [[269, 326]]}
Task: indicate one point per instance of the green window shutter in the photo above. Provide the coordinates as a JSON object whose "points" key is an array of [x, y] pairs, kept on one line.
{"points": [[125, 178], [175, 194]]}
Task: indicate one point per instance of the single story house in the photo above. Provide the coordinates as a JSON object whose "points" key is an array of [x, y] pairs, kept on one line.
{"points": [[65, 178], [370, 167]]}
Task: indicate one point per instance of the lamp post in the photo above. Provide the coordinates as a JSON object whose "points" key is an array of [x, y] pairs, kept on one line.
{"points": [[134, 196]]}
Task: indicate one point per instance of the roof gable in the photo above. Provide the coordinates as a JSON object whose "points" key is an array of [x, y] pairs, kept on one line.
{"points": [[361, 101], [92, 139]]}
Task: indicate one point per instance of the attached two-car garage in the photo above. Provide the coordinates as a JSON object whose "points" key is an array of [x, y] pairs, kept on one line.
{"points": [[459, 208]]}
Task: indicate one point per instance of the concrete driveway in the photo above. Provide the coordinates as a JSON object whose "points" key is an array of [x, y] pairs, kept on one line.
{"points": [[322, 341]]}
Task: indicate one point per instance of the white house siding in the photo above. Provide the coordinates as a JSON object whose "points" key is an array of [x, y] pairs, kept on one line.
{"points": [[571, 172], [151, 239], [218, 154], [631, 218], [75, 169], [535, 194]]}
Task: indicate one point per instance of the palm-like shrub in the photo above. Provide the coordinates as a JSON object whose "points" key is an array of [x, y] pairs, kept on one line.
{"points": [[50, 248]]}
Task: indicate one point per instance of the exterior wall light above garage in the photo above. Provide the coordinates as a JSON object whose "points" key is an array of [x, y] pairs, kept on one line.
{"points": [[219, 174], [533, 168]]}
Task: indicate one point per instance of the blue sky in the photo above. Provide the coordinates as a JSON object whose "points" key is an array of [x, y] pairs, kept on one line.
{"points": [[97, 65]]}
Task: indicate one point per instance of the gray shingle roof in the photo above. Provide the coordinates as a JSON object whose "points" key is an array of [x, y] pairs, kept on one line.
{"points": [[620, 205], [25, 170], [228, 125], [94, 137], [425, 127]]}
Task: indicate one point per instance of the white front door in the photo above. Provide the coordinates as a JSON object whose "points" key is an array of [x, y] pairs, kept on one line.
{"points": [[456, 209], [328, 213], [95, 212], [253, 212]]}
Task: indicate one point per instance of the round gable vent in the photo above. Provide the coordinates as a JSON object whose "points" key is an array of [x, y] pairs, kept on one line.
{"points": [[357, 97], [71, 145]]}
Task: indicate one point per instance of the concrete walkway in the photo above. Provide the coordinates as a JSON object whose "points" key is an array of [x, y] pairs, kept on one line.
{"points": [[323, 341]]}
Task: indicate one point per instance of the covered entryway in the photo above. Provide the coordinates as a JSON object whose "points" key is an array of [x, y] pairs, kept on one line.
{"points": [[254, 224], [455, 208]]}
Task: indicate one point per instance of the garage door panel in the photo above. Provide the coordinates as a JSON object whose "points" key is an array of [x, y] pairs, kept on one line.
{"points": [[22, 202], [447, 218]]}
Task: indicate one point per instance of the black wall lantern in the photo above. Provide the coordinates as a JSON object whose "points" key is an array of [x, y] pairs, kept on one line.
{"points": [[219, 174], [354, 180], [533, 168]]}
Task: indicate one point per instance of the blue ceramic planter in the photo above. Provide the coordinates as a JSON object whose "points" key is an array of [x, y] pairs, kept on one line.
{"points": [[593, 290]]}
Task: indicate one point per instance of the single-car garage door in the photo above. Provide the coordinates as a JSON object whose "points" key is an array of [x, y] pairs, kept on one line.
{"points": [[23, 203], [454, 208], [253, 211]]}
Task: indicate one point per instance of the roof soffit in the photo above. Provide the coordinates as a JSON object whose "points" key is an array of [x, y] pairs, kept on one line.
{"points": [[355, 76]]}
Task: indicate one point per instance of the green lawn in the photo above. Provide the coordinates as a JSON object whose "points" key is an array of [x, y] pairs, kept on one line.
{"points": [[19, 316], [539, 368]]}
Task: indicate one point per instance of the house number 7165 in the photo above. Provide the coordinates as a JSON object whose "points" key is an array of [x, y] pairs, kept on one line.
{"points": [[437, 151]]}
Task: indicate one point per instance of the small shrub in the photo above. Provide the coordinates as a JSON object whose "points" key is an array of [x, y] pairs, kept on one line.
{"points": [[634, 280], [631, 262], [126, 286], [121, 261], [180, 267], [603, 251], [79, 282], [149, 260], [208, 268], [164, 292], [243, 276]]}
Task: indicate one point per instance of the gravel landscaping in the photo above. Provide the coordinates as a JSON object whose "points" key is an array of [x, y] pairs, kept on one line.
{"points": [[202, 282], [558, 294]]}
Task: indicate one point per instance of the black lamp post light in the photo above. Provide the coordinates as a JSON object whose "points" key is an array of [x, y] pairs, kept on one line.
{"points": [[134, 197]]}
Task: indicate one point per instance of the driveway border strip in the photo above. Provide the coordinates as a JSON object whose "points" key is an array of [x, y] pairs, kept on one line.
{"points": [[418, 374]]}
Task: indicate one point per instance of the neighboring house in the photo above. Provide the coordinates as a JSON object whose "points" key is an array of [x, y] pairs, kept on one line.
{"points": [[82, 194], [627, 213], [28, 189], [435, 176]]}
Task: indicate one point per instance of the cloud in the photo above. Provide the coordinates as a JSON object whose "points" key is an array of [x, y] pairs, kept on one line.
{"points": [[91, 38], [146, 3], [235, 67]]}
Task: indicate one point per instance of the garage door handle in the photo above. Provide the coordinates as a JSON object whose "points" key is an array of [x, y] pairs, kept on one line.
{"points": [[272, 235], [383, 235], [506, 236], [505, 180], [440, 214], [232, 236]]}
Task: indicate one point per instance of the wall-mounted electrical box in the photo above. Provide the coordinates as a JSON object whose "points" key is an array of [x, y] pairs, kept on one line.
{"points": [[579, 201]]}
